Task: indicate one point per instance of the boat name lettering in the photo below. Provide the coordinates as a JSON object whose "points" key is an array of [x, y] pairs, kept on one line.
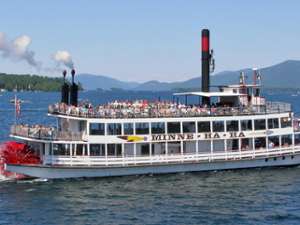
{"points": [[224, 135], [190, 136], [171, 137]]}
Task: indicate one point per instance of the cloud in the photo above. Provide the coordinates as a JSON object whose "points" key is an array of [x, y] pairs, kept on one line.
{"points": [[18, 49], [65, 58]]}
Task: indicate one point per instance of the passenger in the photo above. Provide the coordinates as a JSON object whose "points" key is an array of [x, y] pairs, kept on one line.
{"points": [[271, 145]]}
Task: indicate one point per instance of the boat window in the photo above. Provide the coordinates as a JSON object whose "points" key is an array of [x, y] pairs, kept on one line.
{"points": [[232, 125], [189, 127], [80, 149], [114, 129], [129, 150], [273, 142], [218, 126], [97, 150], [260, 142], [232, 145], [204, 127], [114, 149], [96, 128], [219, 145], [142, 128], [273, 123], [204, 146], [285, 122], [61, 149], [158, 128], [173, 127], [297, 139], [159, 148], [174, 147], [128, 128], [246, 144], [189, 147], [246, 125], [260, 124], [286, 140], [142, 149], [82, 125]]}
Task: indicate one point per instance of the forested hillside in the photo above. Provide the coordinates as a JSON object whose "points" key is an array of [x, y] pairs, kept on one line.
{"points": [[28, 82]]}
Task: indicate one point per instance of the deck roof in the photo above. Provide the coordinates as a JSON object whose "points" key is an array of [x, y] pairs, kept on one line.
{"points": [[210, 94]]}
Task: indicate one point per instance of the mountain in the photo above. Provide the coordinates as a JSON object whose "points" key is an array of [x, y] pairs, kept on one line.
{"points": [[282, 75], [93, 82]]}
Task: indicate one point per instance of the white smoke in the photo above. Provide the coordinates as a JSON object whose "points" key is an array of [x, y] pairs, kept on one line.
{"points": [[18, 49], [65, 58]]}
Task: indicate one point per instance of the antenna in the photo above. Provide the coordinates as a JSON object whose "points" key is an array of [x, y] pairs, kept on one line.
{"points": [[212, 61], [242, 78]]}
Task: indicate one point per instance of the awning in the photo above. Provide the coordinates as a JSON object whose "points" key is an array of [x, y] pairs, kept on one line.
{"points": [[210, 94]]}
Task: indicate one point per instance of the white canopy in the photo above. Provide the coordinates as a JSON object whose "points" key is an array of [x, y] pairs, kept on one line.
{"points": [[210, 94]]}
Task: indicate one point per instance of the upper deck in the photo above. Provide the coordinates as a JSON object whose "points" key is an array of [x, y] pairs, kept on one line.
{"points": [[145, 109]]}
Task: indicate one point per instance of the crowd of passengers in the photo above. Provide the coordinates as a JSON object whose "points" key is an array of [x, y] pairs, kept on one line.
{"points": [[143, 108], [33, 130]]}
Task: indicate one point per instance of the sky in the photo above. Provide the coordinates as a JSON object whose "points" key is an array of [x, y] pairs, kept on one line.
{"points": [[137, 40]]}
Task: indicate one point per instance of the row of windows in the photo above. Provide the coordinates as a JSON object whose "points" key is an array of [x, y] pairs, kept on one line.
{"points": [[188, 127], [174, 147]]}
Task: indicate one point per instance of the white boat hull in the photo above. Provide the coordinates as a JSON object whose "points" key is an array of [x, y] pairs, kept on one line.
{"points": [[55, 172]]}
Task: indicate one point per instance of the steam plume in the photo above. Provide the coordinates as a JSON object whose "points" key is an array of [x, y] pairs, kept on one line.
{"points": [[18, 49], [65, 58]]}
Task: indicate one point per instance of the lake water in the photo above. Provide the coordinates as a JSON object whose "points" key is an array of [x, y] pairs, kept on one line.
{"points": [[256, 196]]}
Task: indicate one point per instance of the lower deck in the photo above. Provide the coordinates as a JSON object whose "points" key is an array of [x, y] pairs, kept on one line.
{"points": [[106, 161], [55, 172]]}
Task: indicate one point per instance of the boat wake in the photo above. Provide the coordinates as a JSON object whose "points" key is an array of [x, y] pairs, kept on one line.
{"points": [[15, 153]]}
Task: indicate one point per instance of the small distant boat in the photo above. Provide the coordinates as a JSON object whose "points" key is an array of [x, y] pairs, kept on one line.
{"points": [[294, 95], [13, 101]]}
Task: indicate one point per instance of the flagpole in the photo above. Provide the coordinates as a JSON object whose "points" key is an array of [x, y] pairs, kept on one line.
{"points": [[15, 109]]}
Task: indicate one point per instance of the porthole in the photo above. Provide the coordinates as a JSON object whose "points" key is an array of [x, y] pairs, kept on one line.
{"points": [[292, 157], [283, 157], [266, 160], [274, 158]]}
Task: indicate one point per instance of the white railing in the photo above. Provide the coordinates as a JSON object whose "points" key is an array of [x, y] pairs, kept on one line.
{"points": [[161, 159], [155, 112]]}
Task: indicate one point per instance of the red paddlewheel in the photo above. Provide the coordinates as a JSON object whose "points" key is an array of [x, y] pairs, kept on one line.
{"points": [[16, 153]]}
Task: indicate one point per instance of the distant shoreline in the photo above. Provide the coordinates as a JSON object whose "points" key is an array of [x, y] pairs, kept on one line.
{"points": [[267, 90]]}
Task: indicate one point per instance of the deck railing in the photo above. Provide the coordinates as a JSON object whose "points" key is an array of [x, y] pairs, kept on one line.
{"points": [[156, 112], [161, 159], [45, 133]]}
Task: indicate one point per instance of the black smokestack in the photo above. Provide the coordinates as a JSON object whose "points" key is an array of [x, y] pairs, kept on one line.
{"points": [[205, 65], [65, 90], [74, 90]]}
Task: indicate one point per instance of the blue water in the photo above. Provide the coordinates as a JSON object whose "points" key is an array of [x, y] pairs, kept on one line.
{"points": [[257, 196]]}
